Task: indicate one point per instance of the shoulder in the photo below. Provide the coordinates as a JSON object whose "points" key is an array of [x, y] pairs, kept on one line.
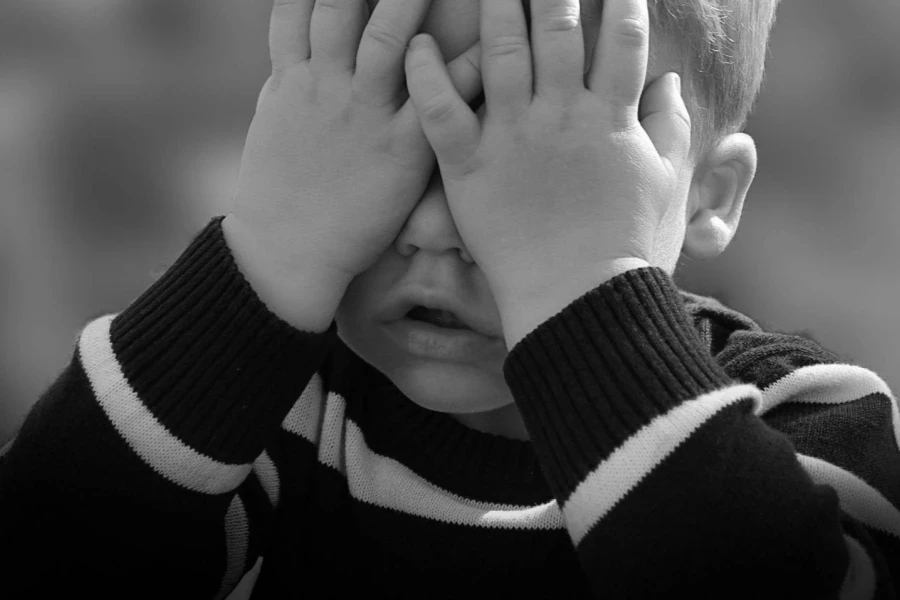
{"points": [[747, 350], [834, 412]]}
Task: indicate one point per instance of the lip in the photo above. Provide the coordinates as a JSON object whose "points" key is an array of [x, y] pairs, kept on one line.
{"points": [[430, 341], [437, 299]]}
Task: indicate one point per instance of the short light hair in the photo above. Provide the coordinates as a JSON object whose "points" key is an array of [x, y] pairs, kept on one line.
{"points": [[724, 46]]}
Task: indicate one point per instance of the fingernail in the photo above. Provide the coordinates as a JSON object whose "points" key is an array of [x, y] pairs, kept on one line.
{"points": [[677, 82]]}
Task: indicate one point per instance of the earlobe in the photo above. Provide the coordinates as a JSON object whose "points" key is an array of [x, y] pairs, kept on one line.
{"points": [[718, 190]]}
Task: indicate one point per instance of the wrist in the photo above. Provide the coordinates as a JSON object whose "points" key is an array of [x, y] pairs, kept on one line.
{"points": [[524, 307], [300, 294]]}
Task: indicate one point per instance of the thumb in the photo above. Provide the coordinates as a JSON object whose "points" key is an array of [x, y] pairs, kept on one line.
{"points": [[665, 118], [449, 124]]}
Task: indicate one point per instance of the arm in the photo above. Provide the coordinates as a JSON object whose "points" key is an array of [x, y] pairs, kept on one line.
{"points": [[141, 444], [667, 477], [127, 468], [668, 480]]}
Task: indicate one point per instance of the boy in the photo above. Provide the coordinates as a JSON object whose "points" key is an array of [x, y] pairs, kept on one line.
{"points": [[277, 417]]}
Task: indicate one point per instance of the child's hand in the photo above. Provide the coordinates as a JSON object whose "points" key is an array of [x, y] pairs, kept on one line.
{"points": [[563, 186], [335, 159]]}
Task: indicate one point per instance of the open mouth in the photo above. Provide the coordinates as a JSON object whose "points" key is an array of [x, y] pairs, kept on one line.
{"points": [[442, 335], [440, 318]]}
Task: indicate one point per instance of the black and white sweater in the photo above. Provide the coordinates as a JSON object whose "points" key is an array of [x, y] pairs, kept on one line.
{"points": [[199, 447]]}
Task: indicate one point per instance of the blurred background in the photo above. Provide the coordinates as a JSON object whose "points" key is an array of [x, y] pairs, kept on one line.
{"points": [[122, 124]]}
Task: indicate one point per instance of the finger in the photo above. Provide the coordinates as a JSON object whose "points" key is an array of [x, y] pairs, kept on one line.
{"points": [[465, 75], [289, 32], [665, 118], [557, 47], [449, 124], [505, 57], [382, 50], [620, 57], [334, 31]]}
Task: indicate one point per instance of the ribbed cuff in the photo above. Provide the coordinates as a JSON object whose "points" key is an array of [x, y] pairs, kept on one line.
{"points": [[209, 359], [591, 376]]}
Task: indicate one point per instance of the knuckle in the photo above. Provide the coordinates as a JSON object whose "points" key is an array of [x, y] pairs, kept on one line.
{"points": [[569, 108], [384, 35], [320, 91], [505, 45], [563, 105], [416, 61], [561, 17], [631, 32], [334, 4], [438, 109], [560, 23]]}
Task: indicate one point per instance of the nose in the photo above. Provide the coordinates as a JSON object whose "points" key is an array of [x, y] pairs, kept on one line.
{"points": [[430, 226]]}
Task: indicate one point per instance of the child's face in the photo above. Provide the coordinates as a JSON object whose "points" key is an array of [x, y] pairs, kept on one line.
{"points": [[429, 254]]}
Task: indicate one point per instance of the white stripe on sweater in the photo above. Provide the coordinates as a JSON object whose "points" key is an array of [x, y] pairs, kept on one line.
{"points": [[382, 481], [157, 446], [267, 473], [829, 384], [623, 470], [7, 446], [385, 482], [330, 446], [857, 498], [237, 534], [244, 589], [303, 419]]}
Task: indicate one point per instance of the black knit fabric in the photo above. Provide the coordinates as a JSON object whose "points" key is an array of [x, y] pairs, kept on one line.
{"points": [[199, 447], [208, 359]]}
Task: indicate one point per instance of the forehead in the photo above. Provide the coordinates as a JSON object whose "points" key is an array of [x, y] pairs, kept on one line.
{"points": [[455, 25]]}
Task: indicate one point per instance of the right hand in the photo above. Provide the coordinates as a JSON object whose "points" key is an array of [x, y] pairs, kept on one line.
{"points": [[335, 158]]}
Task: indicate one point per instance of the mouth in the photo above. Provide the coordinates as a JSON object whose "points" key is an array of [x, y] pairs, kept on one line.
{"points": [[439, 308], [439, 318], [436, 334]]}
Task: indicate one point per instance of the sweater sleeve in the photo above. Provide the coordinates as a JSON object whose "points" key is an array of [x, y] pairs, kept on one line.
{"points": [[667, 477], [130, 473]]}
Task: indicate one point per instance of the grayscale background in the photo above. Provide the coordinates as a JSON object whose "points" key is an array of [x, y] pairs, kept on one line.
{"points": [[122, 123]]}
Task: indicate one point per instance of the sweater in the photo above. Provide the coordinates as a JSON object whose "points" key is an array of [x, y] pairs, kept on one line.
{"points": [[197, 446]]}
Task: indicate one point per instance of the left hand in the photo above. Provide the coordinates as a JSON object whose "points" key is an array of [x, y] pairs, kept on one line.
{"points": [[566, 182]]}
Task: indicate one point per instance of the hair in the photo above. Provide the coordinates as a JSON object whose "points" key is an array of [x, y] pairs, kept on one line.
{"points": [[724, 45]]}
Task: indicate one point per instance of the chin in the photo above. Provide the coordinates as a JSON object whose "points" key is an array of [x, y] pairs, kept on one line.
{"points": [[451, 388], [440, 386]]}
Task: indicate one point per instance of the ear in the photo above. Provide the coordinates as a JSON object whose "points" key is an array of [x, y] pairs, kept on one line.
{"points": [[716, 198]]}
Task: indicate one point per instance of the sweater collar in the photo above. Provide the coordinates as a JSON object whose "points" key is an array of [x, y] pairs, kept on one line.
{"points": [[473, 464]]}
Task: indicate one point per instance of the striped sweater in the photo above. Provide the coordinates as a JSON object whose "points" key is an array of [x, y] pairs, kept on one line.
{"points": [[199, 447]]}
